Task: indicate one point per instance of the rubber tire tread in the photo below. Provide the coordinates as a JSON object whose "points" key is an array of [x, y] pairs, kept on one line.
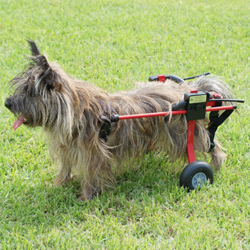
{"points": [[191, 169]]}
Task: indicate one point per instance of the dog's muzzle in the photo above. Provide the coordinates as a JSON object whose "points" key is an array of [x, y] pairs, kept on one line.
{"points": [[7, 104]]}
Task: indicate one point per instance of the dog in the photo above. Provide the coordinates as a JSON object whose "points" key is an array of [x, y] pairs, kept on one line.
{"points": [[69, 112]]}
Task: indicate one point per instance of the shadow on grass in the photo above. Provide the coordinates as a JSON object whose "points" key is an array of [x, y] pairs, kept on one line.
{"points": [[150, 183]]}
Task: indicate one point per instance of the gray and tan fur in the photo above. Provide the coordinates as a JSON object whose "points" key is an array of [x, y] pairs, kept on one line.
{"points": [[69, 111]]}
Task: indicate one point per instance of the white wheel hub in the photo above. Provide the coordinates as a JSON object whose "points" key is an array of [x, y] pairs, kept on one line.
{"points": [[199, 179]]}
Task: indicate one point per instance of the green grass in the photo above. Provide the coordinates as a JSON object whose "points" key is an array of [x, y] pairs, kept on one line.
{"points": [[114, 44]]}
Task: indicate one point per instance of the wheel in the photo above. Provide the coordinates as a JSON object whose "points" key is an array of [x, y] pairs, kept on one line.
{"points": [[196, 174]]}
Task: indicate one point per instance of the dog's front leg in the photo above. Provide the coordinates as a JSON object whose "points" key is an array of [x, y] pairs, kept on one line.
{"points": [[89, 191], [64, 174], [98, 177]]}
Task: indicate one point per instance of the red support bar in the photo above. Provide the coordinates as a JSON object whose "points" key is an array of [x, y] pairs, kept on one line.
{"points": [[210, 104], [220, 108], [125, 117], [178, 112], [190, 141]]}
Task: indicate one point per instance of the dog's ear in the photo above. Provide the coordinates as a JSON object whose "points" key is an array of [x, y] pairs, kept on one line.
{"points": [[52, 80], [33, 48], [41, 61], [49, 77], [37, 57]]}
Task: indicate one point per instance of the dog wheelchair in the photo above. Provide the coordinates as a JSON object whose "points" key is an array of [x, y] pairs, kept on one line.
{"points": [[194, 105]]}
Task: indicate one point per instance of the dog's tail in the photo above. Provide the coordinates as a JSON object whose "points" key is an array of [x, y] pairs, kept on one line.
{"points": [[212, 84]]}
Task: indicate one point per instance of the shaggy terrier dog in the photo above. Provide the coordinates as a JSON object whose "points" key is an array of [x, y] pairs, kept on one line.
{"points": [[70, 111]]}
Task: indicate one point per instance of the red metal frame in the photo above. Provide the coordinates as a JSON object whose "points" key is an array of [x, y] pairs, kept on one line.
{"points": [[191, 124], [190, 141], [178, 112]]}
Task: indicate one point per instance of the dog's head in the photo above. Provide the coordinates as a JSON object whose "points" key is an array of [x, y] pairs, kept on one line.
{"points": [[36, 99]]}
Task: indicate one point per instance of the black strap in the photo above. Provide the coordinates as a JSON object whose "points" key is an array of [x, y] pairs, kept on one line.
{"points": [[105, 128], [215, 122], [106, 121]]}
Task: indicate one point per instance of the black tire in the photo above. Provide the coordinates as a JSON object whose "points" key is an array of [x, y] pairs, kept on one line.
{"points": [[196, 174]]}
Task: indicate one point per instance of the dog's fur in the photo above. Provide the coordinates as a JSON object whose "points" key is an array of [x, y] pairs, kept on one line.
{"points": [[69, 111]]}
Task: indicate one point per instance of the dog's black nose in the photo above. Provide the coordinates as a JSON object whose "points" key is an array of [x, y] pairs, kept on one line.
{"points": [[8, 104]]}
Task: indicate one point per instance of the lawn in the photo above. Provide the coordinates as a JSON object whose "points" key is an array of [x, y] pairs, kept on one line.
{"points": [[114, 44]]}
